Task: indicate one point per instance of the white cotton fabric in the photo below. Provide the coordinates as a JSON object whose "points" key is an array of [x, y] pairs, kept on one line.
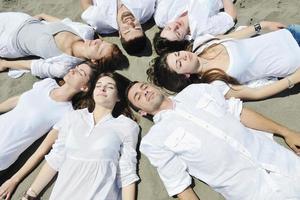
{"points": [[56, 66], [33, 116], [102, 15], [204, 16], [254, 60], [229, 157], [93, 161]]}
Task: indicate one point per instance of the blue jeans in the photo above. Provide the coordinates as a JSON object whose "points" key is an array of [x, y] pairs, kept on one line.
{"points": [[295, 31]]}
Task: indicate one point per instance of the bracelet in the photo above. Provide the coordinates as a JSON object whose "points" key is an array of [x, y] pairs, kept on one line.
{"points": [[257, 27], [291, 84]]}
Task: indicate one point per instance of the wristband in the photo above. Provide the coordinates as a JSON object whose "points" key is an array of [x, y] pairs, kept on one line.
{"points": [[257, 27]]}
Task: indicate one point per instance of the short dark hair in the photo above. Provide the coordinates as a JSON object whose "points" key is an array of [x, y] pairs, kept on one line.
{"points": [[163, 45], [135, 45], [136, 109]]}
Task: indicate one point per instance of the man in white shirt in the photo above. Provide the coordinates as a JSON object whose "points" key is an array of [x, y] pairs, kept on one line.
{"points": [[182, 21], [200, 133], [125, 16]]}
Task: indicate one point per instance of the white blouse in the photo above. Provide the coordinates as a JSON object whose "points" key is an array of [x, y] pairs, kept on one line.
{"points": [[93, 161], [102, 15], [202, 136], [34, 116]]}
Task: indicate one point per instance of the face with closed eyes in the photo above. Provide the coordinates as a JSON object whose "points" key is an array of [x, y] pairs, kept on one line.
{"points": [[105, 93], [183, 62], [78, 77], [97, 49], [145, 97], [176, 30]]}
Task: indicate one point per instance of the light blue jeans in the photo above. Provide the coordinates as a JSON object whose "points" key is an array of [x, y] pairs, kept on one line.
{"points": [[295, 30]]}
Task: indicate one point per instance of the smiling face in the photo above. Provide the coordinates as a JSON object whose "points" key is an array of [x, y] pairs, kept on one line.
{"points": [[105, 93], [129, 26], [145, 97], [183, 62], [98, 49], [79, 77], [176, 30]]}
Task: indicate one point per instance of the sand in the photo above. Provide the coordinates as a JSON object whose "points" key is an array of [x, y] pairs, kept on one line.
{"points": [[284, 108]]}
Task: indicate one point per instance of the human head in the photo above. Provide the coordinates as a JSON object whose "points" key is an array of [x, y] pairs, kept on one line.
{"points": [[162, 75], [109, 91], [131, 33], [177, 29], [163, 45], [144, 98], [106, 55]]}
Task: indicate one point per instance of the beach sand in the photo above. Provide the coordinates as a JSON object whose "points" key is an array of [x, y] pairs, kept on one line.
{"points": [[284, 108]]}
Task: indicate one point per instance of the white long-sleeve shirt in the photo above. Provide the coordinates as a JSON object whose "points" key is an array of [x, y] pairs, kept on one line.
{"points": [[93, 161], [203, 137], [102, 15], [204, 16]]}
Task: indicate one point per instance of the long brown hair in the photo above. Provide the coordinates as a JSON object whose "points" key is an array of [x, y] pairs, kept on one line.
{"points": [[121, 106], [161, 75]]}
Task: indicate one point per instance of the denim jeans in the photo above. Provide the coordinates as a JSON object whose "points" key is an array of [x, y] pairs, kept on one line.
{"points": [[295, 30]]}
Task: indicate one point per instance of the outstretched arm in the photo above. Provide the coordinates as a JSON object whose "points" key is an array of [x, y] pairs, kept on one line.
{"points": [[44, 177], [85, 4], [128, 192], [244, 92], [250, 31], [9, 104], [254, 120], [188, 194], [10, 185], [15, 64]]}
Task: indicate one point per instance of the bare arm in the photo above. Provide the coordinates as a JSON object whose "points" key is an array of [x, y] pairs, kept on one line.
{"points": [[9, 104], [244, 92], [188, 194], [43, 178], [46, 17], [128, 192], [250, 31], [230, 9], [254, 120], [15, 64], [85, 4], [10, 185]]}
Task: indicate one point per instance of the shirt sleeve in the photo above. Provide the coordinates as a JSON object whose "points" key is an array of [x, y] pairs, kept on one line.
{"points": [[127, 163], [44, 68], [56, 156], [171, 169], [84, 31]]}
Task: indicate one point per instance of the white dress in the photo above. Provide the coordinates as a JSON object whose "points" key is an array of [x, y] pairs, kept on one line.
{"points": [[275, 54], [93, 161], [56, 66], [33, 116]]}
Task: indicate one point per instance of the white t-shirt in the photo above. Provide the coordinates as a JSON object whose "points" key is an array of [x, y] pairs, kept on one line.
{"points": [[93, 161], [34, 115]]}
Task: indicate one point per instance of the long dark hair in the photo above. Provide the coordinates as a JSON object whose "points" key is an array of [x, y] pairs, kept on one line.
{"points": [[161, 75], [163, 45], [121, 106]]}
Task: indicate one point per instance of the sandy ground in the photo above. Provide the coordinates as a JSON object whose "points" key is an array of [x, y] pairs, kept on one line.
{"points": [[284, 108]]}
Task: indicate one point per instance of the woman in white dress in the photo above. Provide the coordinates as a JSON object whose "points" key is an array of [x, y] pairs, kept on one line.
{"points": [[32, 114], [235, 61], [94, 154], [61, 45]]}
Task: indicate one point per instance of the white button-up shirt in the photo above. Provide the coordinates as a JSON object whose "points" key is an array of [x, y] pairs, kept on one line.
{"points": [[204, 16], [202, 136], [94, 161], [102, 15]]}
